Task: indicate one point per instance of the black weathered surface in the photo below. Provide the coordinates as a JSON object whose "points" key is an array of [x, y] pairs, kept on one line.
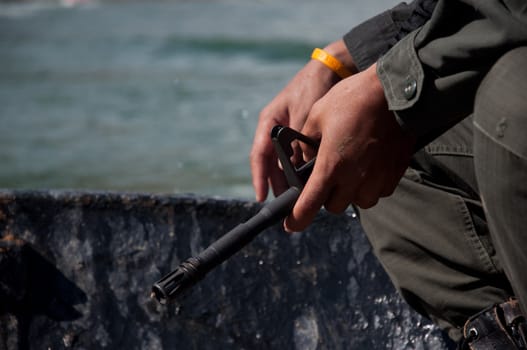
{"points": [[83, 279]]}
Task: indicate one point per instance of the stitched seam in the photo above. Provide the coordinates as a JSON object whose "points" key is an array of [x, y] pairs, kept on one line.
{"points": [[460, 154], [441, 149], [504, 146], [473, 238], [390, 87]]}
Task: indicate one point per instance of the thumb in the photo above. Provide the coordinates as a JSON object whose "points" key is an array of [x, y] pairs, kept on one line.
{"points": [[313, 196]]}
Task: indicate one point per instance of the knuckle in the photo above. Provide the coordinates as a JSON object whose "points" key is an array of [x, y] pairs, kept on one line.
{"points": [[294, 226], [367, 203], [336, 208], [387, 192], [265, 112], [270, 113]]}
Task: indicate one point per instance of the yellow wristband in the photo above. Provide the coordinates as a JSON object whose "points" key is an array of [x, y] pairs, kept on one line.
{"points": [[331, 62]]}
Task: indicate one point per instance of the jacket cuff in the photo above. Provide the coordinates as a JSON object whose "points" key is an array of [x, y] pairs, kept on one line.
{"points": [[368, 41], [401, 74], [425, 108]]}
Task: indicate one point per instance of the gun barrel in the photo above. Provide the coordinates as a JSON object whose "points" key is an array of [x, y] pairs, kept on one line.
{"points": [[194, 269]]}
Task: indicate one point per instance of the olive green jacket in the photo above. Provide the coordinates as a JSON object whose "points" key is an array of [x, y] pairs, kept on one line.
{"points": [[430, 76]]}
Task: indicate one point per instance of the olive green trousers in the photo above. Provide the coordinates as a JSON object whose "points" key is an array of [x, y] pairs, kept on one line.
{"points": [[453, 236]]}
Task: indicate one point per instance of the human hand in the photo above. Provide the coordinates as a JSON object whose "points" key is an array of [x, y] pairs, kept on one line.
{"points": [[290, 108], [363, 151]]}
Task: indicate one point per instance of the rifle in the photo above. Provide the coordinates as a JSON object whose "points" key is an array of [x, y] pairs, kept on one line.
{"points": [[192, 270]]}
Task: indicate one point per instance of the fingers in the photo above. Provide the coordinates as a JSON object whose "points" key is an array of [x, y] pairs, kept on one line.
{"points": [[259, 175], [371, 184], [317, 188], [309, 203], [289, 108], [362, 153], [339, 200], [391, 184], [261, 158], [311, 129], [368, 195]]}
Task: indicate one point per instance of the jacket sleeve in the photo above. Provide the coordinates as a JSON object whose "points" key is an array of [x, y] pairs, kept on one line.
{"points": [[371, 39], [430, 77]]}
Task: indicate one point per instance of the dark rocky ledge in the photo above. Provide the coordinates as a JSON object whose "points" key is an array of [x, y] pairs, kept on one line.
{"points": [[76, 271]]}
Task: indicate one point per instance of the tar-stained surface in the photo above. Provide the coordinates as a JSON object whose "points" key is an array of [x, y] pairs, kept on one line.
{"points": [[85, 264]]}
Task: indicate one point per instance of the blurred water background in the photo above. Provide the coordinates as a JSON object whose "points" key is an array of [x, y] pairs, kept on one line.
{"points": [[152, 96]]}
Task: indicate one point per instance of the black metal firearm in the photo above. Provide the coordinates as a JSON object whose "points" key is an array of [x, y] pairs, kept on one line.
{"points": [[192, 270]]}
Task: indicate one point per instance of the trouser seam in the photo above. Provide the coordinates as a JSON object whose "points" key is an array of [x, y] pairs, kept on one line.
{"points": [[474, 240], [501, 144]]}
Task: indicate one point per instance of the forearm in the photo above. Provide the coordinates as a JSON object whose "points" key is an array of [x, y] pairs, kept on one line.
{"points": [[431, 76], [339, 50]]}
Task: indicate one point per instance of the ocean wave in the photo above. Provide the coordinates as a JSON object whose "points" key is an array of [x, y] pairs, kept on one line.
{"points": [[27, 9], [266, 49], [17, 10]]}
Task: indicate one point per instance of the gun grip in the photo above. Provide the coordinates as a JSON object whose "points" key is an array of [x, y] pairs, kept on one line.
{"points": [[282, 137]]}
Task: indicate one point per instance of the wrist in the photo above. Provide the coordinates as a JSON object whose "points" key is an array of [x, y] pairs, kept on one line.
{"points": [[339, 50], [331, 62], [322, 72]]}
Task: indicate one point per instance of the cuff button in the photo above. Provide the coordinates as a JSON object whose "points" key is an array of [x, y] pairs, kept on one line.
{"points": [[410, 87]]}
